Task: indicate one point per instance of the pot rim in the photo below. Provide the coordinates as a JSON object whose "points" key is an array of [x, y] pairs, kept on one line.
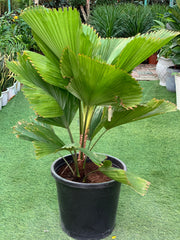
{"points": [[83, 185], [165, 59], [5, 91], [173, 68]]}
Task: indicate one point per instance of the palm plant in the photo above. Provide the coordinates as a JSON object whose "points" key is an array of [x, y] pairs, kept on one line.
{"points": [[106, 20], [135, 19], [81, 72], [174, 22]]}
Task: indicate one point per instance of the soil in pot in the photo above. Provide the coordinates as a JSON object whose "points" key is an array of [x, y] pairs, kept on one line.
{"points": [[92, 177]]}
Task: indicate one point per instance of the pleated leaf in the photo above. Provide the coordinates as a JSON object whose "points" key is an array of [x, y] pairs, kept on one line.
{"points": [[89, 41], [43, 137], [27, 74], [96, 83], [97, 121], [69, 105], [47, 100], [138, 184], [24, 72], [57, 29], [110, 48], [152, 108], [49, 71], [40, 94], [42, 103], [46, 50], [141, 47]]}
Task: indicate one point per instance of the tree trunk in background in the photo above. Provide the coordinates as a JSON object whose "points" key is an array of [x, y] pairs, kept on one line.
{"points": [[87, 13], [88, 8]]}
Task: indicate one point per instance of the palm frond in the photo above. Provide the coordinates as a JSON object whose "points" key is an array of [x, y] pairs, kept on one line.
{"points": [[141, 47], [43, 137], [153, 108], [138, 184], [97, 121], [49, 71], [63, 28], [97, 83]]}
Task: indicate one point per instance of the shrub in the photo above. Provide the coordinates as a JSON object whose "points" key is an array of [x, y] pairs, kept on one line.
{"points": [[134, 20], [106, 20], [15, 34], [124, 20]]}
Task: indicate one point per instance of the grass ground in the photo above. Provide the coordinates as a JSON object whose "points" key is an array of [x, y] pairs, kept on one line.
{"points": [[150, 148]]}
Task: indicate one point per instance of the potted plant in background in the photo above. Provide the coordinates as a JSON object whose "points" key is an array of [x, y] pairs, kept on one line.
{"points": [[169, 56], [175, 57], [85, 74], [164, 61], [6, 80], [173, 17]]}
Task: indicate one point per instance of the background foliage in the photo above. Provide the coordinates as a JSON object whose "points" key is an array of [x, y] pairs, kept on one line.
{"points": [[15, 36], [125, 20]]}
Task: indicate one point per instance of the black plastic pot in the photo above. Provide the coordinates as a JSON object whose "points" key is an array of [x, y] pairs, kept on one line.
{"points": [[87, 210]]}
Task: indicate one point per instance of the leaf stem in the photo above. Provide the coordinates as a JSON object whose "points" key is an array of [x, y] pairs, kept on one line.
{"points": [[98, 139], [70, 134], [80, 119], [69, 166], [75, 162], [84, 136]]}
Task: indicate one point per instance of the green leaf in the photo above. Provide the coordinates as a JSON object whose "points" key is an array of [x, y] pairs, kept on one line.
{"points": [[37, 91], [60, 102], [89, 41], [107, 163], [141, 47], [96, 83], [28, 75], [42, 103], [111, 48], [43, 137], [56, 29], [46, 50], [49, 71], [152, 108], [69, 105], [138, 184]]}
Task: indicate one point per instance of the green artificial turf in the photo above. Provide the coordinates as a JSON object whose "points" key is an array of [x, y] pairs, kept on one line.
{"points": [[150, 148]]}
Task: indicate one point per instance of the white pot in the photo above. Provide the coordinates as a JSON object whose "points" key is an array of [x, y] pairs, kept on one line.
{"points": [[5, 97], [18, 86], [161, 69], [15, 87], [177, 80], [1, 102], [170, 81], [12, 91]]}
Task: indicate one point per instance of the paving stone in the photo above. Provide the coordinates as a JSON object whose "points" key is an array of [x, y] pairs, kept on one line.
{"points": [[145, 72]]}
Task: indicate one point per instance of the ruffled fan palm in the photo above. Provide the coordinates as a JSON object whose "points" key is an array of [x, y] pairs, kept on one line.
{"points": [[80, 71]]}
